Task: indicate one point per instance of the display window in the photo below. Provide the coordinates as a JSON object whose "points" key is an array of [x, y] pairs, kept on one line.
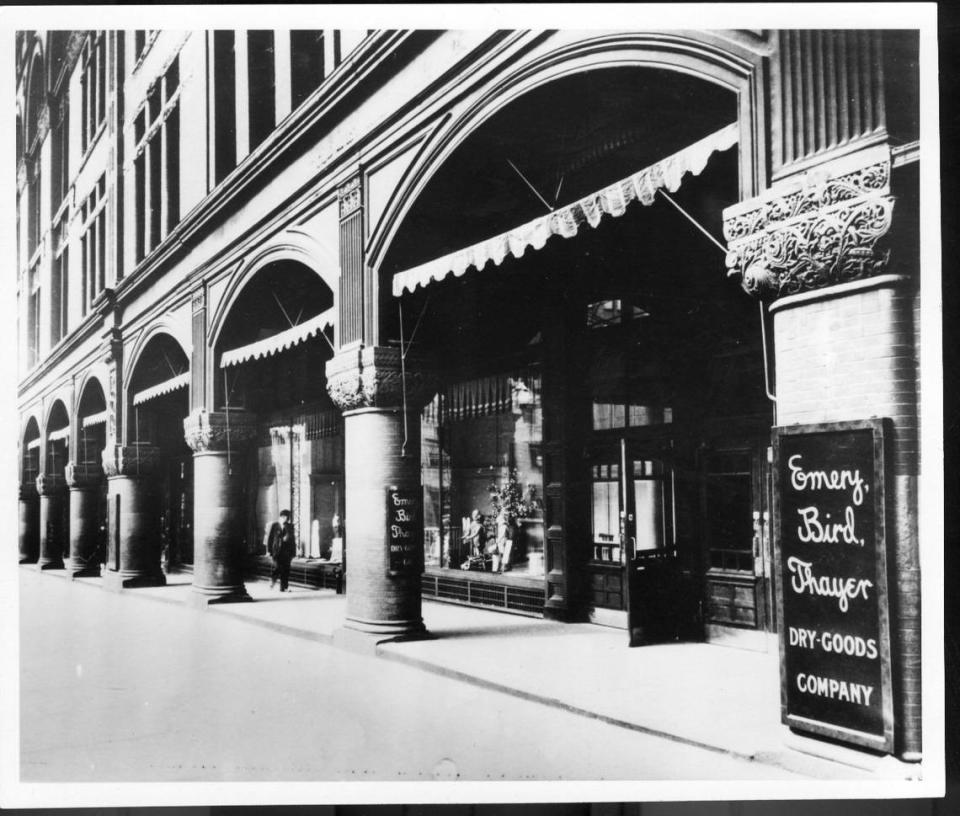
{"points": [[482, 472]]}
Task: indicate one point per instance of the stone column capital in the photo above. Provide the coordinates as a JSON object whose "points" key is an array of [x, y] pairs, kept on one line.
{"points": [[207, 430], [49, 483], [130, 460], [815, 231], [82, 475], [373, 377]]}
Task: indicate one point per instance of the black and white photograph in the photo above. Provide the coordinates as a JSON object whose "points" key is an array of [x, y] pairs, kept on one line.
{"points": [[471, 403]]}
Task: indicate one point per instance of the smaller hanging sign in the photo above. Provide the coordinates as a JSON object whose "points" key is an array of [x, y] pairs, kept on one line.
{"points": [[404, 533]]}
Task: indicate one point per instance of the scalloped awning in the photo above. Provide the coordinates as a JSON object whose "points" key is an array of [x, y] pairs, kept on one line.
{"points": [[100, 418], [166, 387], [566, 221], [279, 342], [59, 434]]}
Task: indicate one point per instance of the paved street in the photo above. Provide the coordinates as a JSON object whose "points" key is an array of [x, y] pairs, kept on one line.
{"points": [[124, 688]]}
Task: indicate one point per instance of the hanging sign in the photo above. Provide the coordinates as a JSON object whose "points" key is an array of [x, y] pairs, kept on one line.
{"points": [[404, 533], [832, 603]]}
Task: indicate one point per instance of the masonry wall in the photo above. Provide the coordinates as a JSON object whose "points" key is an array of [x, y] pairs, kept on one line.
{"points": [[850, 352]]}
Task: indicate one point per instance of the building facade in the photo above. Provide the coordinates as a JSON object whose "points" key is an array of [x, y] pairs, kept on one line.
{"points": [[607, 292]]}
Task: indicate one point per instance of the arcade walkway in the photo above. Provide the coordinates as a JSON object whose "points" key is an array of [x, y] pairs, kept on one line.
{"points": [[141, 686]]}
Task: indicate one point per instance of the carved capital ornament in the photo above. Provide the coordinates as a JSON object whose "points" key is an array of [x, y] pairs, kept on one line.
{"points": [[207, 430], [374, 378], [819, 231]]}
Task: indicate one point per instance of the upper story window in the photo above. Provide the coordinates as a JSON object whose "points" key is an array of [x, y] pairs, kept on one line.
{"points": [[93, 245], [261, 85], [33, 207], [307, 64], [59, 281], [33, 314], [60, 156], [94, 87], [157, 162]]}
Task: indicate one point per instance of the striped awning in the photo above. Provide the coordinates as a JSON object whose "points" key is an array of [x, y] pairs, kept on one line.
{"points": [[59, 434], [566, 221], [279, 342], [99, 418], [166, 387]]}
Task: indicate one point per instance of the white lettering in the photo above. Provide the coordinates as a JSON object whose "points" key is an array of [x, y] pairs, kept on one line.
{"points": [[834, 689], [801, 479], [813, 531], [844, 590]]}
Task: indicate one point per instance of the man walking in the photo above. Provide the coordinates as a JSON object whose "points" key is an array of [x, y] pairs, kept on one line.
{"points": [[281, 547]]}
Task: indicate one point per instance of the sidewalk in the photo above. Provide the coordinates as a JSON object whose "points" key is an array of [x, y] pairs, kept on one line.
{"points": [[715, 697]]}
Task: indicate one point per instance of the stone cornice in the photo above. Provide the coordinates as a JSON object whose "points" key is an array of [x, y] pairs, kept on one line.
{"points": [[813, 232], [207, 430], [372, 377]]}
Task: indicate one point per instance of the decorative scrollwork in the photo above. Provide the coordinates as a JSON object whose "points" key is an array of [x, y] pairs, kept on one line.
{"points": [[373, 378], [130, 460], [207, 430], [813, 234]]}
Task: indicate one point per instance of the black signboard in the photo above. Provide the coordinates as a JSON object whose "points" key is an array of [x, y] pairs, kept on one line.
{"points": [[404, 533], [832, 581]]}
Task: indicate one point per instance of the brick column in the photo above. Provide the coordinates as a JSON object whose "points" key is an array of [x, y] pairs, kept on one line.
{"points": [[382, 603], [51, 489], [134, 517], [29, 516], [219, 441], [842, 308], [84, 484]]}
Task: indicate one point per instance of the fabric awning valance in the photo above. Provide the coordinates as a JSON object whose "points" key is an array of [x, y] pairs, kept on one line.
{"points": [[59, 434], [566, 221], [166, 387], [279, 342], [33, 444], [99, 418]]}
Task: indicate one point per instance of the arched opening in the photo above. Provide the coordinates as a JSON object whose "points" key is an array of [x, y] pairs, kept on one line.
{"points": [[612, 374], [54, 469], [270, 357], [30, 463], [91, 441], [158, 402]]}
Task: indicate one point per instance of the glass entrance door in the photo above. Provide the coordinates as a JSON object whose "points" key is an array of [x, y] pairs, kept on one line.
{"points": [[648, 542]]}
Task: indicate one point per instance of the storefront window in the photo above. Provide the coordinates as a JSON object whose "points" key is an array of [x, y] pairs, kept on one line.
{"points": [[481, 451]]}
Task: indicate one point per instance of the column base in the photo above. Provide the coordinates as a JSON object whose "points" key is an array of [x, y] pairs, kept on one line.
{"points": [[364, 636], [204, 597], [50, 564], [81, 569], [116, 581]]}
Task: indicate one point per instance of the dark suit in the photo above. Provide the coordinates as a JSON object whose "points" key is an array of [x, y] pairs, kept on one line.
{"points": [[282, 547]]}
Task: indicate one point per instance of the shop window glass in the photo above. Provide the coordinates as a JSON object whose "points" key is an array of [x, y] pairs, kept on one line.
{"points": [[481, 450], [729, 502]]}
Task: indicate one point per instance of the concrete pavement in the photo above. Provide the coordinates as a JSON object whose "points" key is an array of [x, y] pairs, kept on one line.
{"points": [[217, 694]]}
